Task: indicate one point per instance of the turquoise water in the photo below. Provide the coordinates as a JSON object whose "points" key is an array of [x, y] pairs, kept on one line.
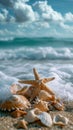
{"points": [[50, 56], [54, 42]]}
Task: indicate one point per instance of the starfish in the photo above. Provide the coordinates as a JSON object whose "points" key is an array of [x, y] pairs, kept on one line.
{"points": [[38, 84]]}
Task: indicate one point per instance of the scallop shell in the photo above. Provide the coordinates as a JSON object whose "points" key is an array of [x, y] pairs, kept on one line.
{"points": [[45, 119], [15, 102], [45, 96], [42, 105], [60, 120]]}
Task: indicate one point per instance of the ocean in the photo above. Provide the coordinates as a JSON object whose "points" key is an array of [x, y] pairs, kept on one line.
{"points": [[50, 56]]}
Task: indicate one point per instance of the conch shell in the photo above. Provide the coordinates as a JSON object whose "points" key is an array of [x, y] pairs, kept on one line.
{"points": [[45, 96], [60, 120], [15, 102], [42, 105]]}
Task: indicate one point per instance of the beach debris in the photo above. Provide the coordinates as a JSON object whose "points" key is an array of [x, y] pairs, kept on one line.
{"points": [[32, 115], [22, 124], [60, 120], [18, 113], [15, 102], [39, 84], [42, 105], [45, 119]]}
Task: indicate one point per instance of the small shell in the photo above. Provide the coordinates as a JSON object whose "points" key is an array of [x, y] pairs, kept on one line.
{"points": [[22, 124], [45, 96], [31, 115], [15, 102], [45, 119], [14, 88], [60, 120], [29, 92], [59, 105], [42, 105], [18, 113]]}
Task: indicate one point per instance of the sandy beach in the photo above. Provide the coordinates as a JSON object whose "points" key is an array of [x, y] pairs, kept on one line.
{"points": [[9, 123]]}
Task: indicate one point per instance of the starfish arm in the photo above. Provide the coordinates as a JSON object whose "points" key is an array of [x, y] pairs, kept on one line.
{"points": [[32, 82], [45, 80], [44, 87], [37, 77]]}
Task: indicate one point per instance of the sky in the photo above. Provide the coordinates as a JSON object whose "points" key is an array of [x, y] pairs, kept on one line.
{"points": [[36, 18]]}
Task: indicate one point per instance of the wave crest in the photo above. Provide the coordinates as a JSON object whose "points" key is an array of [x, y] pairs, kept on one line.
{"points": [[38, 53]]}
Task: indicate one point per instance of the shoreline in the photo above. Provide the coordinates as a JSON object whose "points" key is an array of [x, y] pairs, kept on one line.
{"points": [[9, 123]]}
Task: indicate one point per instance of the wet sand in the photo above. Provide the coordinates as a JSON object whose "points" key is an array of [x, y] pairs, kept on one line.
{"points": [[9, 123]]}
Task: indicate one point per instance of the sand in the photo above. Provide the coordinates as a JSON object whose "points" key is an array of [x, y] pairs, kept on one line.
{"points": [[9, 123]]}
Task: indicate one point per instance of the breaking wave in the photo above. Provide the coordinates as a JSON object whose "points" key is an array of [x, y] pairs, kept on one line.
{"points": [[52, 57], [37, 53]]}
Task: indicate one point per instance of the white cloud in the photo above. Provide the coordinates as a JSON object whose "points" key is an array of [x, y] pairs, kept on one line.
{"points": [[2, 18], [69, 17], [47, 13], [6, 17], [3, 15], [40, 19], [10, 3], [23, 12]]}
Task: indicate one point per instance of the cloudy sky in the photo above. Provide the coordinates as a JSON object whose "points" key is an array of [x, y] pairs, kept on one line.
{"points": [[34, 18]]}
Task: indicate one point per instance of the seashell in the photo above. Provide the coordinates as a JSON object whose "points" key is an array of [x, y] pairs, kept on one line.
{"points": [[45, 96], [22, 124], [60, 120], [58, 104], [18, 113], [15, 102], [14, 88], [23, 91], [32, 115], [32, 92], [29, 92], [42, 105], [35, 115], [45, 119]]}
